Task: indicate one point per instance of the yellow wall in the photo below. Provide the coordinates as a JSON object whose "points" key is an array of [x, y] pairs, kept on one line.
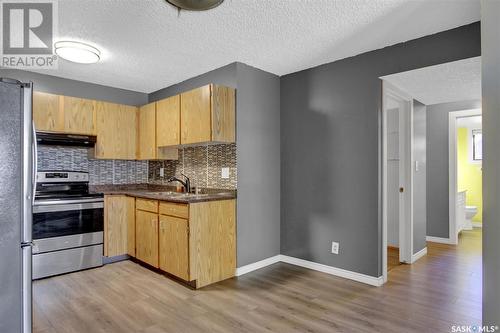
{"points": [[470, 176]]}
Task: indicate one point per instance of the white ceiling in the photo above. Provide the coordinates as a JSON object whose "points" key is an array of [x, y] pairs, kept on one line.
{"points": [[449, 82], [147, 46]]}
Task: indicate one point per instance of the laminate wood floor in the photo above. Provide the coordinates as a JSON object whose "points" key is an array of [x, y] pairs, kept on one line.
{"points": [[440, 290], [392, 258]]}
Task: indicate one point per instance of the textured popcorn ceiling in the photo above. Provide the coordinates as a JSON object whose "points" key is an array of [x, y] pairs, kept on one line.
{"points": [[450, 82], [147, 46]]}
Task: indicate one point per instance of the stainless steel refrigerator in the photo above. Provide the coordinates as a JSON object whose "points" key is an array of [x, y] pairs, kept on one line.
{"points": [[17, 167]]}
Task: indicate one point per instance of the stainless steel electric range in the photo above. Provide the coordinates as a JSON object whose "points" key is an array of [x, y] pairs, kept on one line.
{"points": [[68, 224]]}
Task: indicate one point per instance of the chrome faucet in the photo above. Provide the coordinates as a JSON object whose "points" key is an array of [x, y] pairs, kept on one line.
{"points": [[186, 184]]}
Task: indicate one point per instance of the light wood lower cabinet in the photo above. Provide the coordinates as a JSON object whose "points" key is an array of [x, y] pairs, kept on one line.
{"points": [[212, 241], [119, 225], [205, 232], [146, 237], [174, 246], [195, 242]]}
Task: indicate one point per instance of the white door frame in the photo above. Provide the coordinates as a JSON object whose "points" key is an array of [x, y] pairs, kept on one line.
{"points": [[406, 160], [452, 167]]}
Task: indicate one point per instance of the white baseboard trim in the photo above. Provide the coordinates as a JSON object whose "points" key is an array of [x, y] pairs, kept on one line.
{"points": [[419, 255], [367, 279], [477, 225], [438, 240], [257, 265]]}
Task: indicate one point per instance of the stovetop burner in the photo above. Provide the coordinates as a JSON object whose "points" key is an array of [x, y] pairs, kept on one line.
{"points": [[63, 186]]}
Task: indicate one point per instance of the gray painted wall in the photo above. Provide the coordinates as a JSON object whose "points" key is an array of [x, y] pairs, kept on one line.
{"points": [[491, 172], [419, 177], [258, 155], [61, 86], [437, 165], [330, 161]]}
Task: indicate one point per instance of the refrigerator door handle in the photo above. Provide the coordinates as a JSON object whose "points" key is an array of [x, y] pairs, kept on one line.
{"points": [[27, 289], [35, 163], [28, 163]]}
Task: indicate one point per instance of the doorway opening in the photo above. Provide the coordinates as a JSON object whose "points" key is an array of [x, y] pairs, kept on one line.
{"points": [[437, 215], [465, 172], [397, 188]]}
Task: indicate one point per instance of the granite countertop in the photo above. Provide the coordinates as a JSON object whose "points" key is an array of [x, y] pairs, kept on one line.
{"points": [[163, 193]]}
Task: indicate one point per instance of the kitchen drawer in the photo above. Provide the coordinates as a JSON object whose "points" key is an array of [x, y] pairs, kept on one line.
{"points": [[147, 205], [174, 209]]}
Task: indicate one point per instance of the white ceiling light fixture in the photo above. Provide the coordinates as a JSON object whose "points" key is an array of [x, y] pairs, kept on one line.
{"points": [[77, 52], [196, 5]]}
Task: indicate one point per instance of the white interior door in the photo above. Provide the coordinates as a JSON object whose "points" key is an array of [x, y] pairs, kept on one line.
{"points": [[397, 133], [405, 181], [393, 177]]}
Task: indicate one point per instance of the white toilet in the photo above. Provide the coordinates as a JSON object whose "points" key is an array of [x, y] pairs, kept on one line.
{"points": [[470, 212]]}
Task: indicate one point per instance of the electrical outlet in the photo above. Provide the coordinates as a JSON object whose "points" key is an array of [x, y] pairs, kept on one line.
{"points": [[224, 173], [335, 247], [162, 172]]}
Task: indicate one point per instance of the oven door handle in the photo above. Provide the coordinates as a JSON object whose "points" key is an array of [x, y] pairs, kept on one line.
{"points": [[66, 202], [61, 207]]}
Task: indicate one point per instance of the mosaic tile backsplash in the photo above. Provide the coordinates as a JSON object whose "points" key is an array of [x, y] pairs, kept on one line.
{"points": [[202, 164], [101, 172]]}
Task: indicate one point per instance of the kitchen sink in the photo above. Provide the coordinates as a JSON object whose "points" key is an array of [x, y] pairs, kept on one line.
{"points": [[176, 194]]}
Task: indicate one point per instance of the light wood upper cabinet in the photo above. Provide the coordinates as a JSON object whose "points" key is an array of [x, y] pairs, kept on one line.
{"points": [[116, 131], [153, 131], [168, 126], [147, 132], [223, 114], [119, 225], [174, 246], [146, 237], [65, 114], [208, 115], [47, 112], [195, 116], [79, 115]]}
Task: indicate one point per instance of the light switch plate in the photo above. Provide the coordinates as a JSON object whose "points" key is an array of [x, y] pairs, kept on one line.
{"points": [[335, 247], [225, 173], [162, 172]]}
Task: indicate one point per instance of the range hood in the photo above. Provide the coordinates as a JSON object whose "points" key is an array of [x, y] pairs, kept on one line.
{"points": [[58, 139]]}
